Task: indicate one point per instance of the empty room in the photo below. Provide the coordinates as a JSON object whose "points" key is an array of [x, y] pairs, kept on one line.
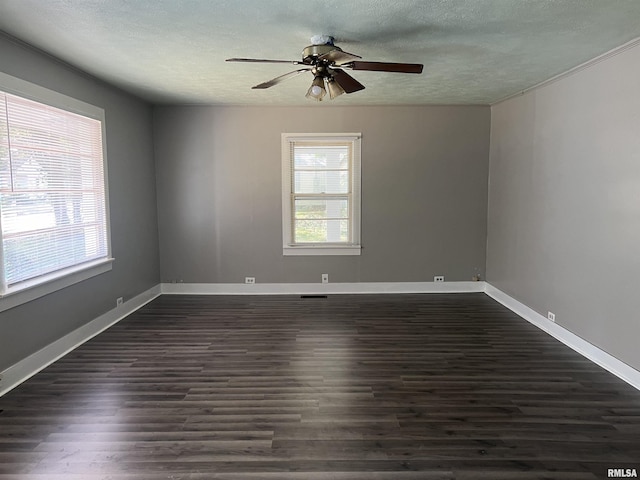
{"points": [[358, 240]]}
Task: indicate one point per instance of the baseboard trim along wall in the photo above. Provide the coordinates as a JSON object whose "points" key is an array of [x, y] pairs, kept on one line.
{"points": [[573, 341], [25, 369], [320, 288]]}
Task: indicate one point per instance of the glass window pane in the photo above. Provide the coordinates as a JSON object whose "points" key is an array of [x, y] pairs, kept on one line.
{"points": [[51, 189], [321, 181], [5, 165], [321, 208], [318, 157], [27, 256], [321, 231]]}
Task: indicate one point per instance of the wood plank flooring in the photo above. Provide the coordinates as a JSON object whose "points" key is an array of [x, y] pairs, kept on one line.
{"points": [[371, 387]]}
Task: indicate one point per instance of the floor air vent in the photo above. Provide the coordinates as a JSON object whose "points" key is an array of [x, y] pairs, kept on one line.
{"points": [[313, 296]]}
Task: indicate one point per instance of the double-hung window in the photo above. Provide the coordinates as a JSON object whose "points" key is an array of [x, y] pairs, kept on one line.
{"points": [[53, 197], [321, 194]]}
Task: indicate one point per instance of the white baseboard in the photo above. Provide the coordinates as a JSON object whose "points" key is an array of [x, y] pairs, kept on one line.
{"points": [[320, 288], [24, 369], [580, 345]]}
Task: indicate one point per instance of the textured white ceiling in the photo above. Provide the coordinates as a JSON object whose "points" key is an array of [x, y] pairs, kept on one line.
{"points": [[172, 51]]}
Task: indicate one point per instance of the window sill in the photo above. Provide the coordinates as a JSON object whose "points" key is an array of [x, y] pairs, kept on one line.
{"points": [[300, 250], [33, 289]]}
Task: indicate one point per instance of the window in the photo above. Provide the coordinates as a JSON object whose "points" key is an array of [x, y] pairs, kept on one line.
{"points": [[53, 203], [321, 194]]}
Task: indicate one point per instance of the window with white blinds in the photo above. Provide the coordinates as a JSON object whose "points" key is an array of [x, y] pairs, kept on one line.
{"points": [[321, 194], [52, 191]]}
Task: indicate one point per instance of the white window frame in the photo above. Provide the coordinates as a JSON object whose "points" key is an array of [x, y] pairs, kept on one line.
{"points": [[32, 289], [289, 247]]}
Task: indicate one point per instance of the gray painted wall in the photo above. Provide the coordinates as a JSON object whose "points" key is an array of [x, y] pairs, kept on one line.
{"points": [[424, 190], [564, 202], [29, 327]]}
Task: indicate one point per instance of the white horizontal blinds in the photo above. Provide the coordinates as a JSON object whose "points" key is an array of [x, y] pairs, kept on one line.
{"points": [[321, 192], [51, 189]]}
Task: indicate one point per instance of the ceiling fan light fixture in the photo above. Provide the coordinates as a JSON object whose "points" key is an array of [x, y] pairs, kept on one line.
{"points": [[317, 89], [334, 88]]}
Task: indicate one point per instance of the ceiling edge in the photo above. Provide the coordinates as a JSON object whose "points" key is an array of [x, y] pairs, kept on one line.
{"points": [[572, 71]]}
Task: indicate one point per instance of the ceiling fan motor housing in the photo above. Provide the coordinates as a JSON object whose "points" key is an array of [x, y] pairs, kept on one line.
{"points": [[311, 53]]}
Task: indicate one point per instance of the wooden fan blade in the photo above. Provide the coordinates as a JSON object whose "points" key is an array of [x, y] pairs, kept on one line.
{"points": [[346, 81], [281, 78], [260, 60], [338, 57], [385, 67]]}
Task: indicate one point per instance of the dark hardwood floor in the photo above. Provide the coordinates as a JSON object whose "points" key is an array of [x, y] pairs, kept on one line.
{"points": [[367, 387]]}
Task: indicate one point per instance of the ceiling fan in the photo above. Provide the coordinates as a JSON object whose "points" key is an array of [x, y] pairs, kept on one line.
{"points": [[328, 62]]}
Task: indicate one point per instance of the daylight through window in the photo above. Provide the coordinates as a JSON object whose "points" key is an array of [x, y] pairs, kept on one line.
{"points": [[321, 194], [52, 191]]}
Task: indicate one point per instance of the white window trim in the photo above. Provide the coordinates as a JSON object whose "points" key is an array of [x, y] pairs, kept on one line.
{"points": [[35, 288], [288, 247]]}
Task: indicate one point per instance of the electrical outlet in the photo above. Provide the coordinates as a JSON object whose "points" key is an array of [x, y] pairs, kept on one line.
{"points": [[119, 301], [438, 278], [551, 316], [249, 279], [325, 278]]}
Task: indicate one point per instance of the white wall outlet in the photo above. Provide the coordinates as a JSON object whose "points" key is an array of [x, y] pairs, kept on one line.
{"points": [[325, 278], [250, 280], [119, 301], [438, 278], [551, 316]]}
